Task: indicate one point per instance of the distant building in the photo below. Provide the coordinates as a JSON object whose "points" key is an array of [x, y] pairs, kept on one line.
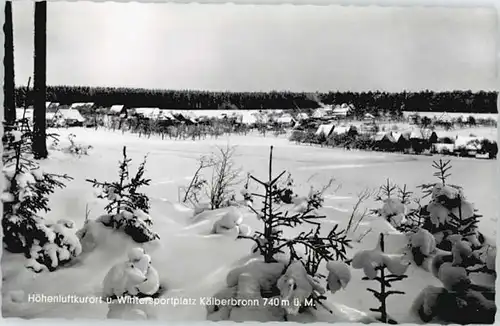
{"points": [[384, 141], [327, 130], [323, 111], [249, 118], [341, 110], [285, 119], [150, 113], [118, 110], [68, 117]]}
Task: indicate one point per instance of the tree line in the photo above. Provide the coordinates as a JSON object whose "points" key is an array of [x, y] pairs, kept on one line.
{"points": [[365, 102]]}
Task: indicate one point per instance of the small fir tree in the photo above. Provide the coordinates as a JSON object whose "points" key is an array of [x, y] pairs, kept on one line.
{"points": [[384, 270], [26, 191], [128, 208], [457, 215], [396, 208], [318, 247]]}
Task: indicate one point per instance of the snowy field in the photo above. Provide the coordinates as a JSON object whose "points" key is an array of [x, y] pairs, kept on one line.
{"points": [[193, 264]]}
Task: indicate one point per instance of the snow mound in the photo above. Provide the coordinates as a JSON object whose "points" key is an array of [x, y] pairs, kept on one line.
{"points": [[339, 276], [132, 277], [136, 224], [295, 287]]}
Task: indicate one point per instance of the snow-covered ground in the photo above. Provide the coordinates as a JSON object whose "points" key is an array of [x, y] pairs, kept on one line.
{"points": [[193, 264]]}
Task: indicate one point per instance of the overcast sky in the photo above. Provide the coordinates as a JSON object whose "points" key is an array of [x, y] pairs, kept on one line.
{"points": [[253, 48]]}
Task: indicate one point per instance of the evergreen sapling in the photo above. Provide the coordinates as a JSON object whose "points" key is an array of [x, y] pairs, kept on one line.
{"points": [[448, 211], [397, 208], [128, 208], [317, 247], [383, 269], [26, 191]]}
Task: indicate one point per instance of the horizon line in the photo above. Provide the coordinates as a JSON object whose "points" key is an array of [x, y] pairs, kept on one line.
{"points": [[272, 91]]}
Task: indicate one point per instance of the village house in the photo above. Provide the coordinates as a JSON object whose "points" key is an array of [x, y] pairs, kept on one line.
{"points": [[326, 129], [341, 111], [67, 118], [384, 141]]}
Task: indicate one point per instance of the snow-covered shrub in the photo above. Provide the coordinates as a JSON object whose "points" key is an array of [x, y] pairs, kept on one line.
{"points": [[396, 207], [489, 147], [25, 193], [447, 213], [296, 285], [73, 148], [231, 223], [383, 269], [459, 300], [128, 208], [256, 281], [134, 277], [422, 244], [245, 192], [218, 189], [62, 247], [193, 190], [462, 254], [224, 177]]}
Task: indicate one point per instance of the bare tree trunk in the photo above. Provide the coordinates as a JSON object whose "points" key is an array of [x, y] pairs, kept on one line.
{"points": [[39, 116], [8, 62]]}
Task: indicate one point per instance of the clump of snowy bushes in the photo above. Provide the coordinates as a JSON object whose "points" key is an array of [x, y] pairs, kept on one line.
{"points": [[217, 190], [73, 148], [128, 208], [443, 237], [459, 300], [25, 193], [348, 140], [287, 274]]}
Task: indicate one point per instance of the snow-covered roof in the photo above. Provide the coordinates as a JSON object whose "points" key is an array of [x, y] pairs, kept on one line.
{"points": [[397, 135], [415, 134], [325, 129], [79, 105], [71, 114], [116, 108], [341, 112], [148, 112], [319, 113], [340, 130], [248, 118], [285, 119], [439, 147], [470, 143], [342, 109], [384, 135]]}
